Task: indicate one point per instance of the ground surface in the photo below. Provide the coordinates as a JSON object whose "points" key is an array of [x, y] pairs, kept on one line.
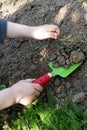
{"points": [[26, 58]]}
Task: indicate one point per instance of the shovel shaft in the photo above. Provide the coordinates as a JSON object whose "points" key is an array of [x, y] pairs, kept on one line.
{"points": [[44, 79]]}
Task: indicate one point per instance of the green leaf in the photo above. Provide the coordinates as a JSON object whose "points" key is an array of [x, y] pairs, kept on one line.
{"points": [[2, 87]]}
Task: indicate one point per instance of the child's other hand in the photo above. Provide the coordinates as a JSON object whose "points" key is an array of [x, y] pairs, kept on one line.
{"points": [[45, 32], [25, 91]]}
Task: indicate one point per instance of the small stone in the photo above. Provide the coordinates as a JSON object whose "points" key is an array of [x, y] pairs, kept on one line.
{"points": [[58, 53], [68, 85], [60, 89], [67, 62], [78, 97], [57, 82]]}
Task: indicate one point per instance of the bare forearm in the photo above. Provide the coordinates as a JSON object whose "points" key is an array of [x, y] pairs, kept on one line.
{"points": [[6, 98], [17, 30]]}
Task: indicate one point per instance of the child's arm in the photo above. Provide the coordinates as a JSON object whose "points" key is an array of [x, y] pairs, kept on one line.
{"points": [[6, 98], [23, 92], [15, 30]]}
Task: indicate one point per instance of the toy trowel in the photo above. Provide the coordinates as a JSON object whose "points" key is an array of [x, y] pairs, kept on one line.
{"points": [[60, 71]]}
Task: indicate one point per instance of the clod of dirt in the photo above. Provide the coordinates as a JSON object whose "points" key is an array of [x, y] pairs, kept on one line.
{"points": [[76, 56], [61, 58], [53, 56]]}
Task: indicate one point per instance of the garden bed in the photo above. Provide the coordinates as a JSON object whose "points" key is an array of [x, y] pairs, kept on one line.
{"points": [[28, 58]]}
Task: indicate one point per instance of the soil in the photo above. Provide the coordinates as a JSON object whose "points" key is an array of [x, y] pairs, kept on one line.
{"points": [[28, 58]]}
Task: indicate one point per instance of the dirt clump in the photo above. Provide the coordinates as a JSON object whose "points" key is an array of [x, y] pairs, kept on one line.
{"points": [[61, 58], [76, 56]]}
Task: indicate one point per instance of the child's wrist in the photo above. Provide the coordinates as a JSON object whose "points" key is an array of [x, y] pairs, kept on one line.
{"points": [[16, 94], [12, 94], [28, 32]]}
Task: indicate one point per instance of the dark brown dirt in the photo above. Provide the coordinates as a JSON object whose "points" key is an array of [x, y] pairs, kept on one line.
{"points": [[27, 58]]}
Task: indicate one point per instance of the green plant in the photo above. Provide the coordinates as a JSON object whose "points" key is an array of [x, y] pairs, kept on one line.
{"points": [[2, 86], [62, 39], [48, 116], [43, 11], [67, 41]]}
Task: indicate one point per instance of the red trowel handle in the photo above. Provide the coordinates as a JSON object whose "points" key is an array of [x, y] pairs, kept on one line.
{"points": [[44, 79]]}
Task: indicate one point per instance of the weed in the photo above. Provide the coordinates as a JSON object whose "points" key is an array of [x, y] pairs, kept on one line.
{"points": [[62, 39], [67, 41], [68, 50], [2, 86], [48, 116], [43, 11]]}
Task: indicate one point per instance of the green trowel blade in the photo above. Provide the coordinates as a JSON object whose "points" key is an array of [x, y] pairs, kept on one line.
{"points": [[62, 71]]}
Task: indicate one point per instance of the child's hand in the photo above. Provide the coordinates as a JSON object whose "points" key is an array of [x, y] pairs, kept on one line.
{"points": [[25, 91], [45, 31]]}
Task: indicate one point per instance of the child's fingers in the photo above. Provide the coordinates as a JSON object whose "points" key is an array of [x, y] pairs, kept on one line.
{"points": [[29, 80], [38, 88], [52, 35], [53, 28], [25, 101], [28, 100]]}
